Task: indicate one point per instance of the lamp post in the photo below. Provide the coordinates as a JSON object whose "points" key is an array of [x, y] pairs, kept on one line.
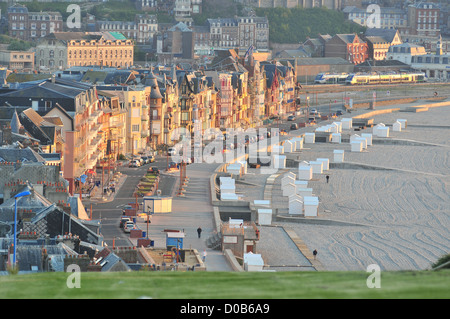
{"points": [[25, 193]]}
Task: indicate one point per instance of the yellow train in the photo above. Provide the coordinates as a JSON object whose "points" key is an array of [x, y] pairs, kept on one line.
{"points": [[364, 79]]}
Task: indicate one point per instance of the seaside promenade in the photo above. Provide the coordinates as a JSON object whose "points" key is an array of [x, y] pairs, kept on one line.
{"points": [[392, 213]]}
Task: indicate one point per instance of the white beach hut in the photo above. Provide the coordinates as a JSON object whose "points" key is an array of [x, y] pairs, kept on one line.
{"points": [[363, 141], [325, 162], [227, 188], [347, 123], [305, 173], [295, 205], [310, 138], [279, 161], [403, 122], [298, 143], [311, 206], [356, 146], [336, 138], [289, 189], [376, 128], [368, 137], [288, 147], [294, 144], [226, 180], [338, 156], [264, 216], [253, 262], [397, 126], [317, 167], [383, 131]]}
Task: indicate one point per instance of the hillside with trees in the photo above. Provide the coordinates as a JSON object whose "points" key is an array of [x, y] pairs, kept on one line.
{"points": [[296, 24]]}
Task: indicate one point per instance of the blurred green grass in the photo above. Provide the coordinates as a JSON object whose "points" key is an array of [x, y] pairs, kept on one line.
{"points": [[228, 285]]}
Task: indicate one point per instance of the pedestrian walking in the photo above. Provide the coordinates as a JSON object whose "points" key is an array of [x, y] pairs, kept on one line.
{"points": [[204, 255], [328, 178], [315, 253], [199, 232]]}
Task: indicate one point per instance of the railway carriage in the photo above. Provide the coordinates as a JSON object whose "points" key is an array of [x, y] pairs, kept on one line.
{"points": [[330, 78], [363, 79]]}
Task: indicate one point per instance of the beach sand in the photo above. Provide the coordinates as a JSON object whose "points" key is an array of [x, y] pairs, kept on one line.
{"points": [[400, 210]]}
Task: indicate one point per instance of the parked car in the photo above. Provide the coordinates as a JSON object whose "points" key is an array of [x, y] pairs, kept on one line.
{"points": [[173, 165], [291, 118], [154, 170], [151, 159], [139, 159], [128, 226], [134, 163], [145, 159], [123, 221]]}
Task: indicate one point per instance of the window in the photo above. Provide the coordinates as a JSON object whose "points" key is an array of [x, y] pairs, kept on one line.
{"points": [[135, 128]]}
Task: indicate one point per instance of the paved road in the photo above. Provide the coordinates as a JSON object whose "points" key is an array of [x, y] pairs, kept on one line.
{"points": [[110, 212]]}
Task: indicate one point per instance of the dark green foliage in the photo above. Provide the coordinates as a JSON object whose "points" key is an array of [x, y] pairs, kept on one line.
{"points": [[296, 24], [441, 261]]}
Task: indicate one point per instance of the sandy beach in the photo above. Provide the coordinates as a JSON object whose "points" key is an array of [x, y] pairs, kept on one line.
{"points": [[400, 211]]}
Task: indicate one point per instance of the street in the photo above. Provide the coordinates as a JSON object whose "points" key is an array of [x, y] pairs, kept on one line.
{"points": [[110, 212]]}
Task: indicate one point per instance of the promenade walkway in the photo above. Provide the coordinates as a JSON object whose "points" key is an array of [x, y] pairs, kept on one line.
{"points": [[190, 212]]}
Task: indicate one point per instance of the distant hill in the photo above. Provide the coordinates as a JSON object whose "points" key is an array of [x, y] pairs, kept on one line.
{"points": [[295, 25]]}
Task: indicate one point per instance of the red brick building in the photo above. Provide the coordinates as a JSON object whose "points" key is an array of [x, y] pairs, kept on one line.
{"points": [[347, 46], [423, 19], [30, 26]]}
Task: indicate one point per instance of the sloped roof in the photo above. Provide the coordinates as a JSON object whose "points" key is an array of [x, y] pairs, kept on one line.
{"points": [[387, 34], [15, 123], [37, 127], [12, 155], [180, 26], [347, 38]]}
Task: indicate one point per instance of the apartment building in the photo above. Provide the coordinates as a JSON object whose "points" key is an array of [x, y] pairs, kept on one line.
{"points": [[142, 29], [61, 50], [81, 114], [390, 17], [239, 32], [424, 19], [17, 60], [330, 4], [31, 26]]}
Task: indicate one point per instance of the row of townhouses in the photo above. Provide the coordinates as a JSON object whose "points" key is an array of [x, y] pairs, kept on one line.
{"points": [[87, 113]]}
